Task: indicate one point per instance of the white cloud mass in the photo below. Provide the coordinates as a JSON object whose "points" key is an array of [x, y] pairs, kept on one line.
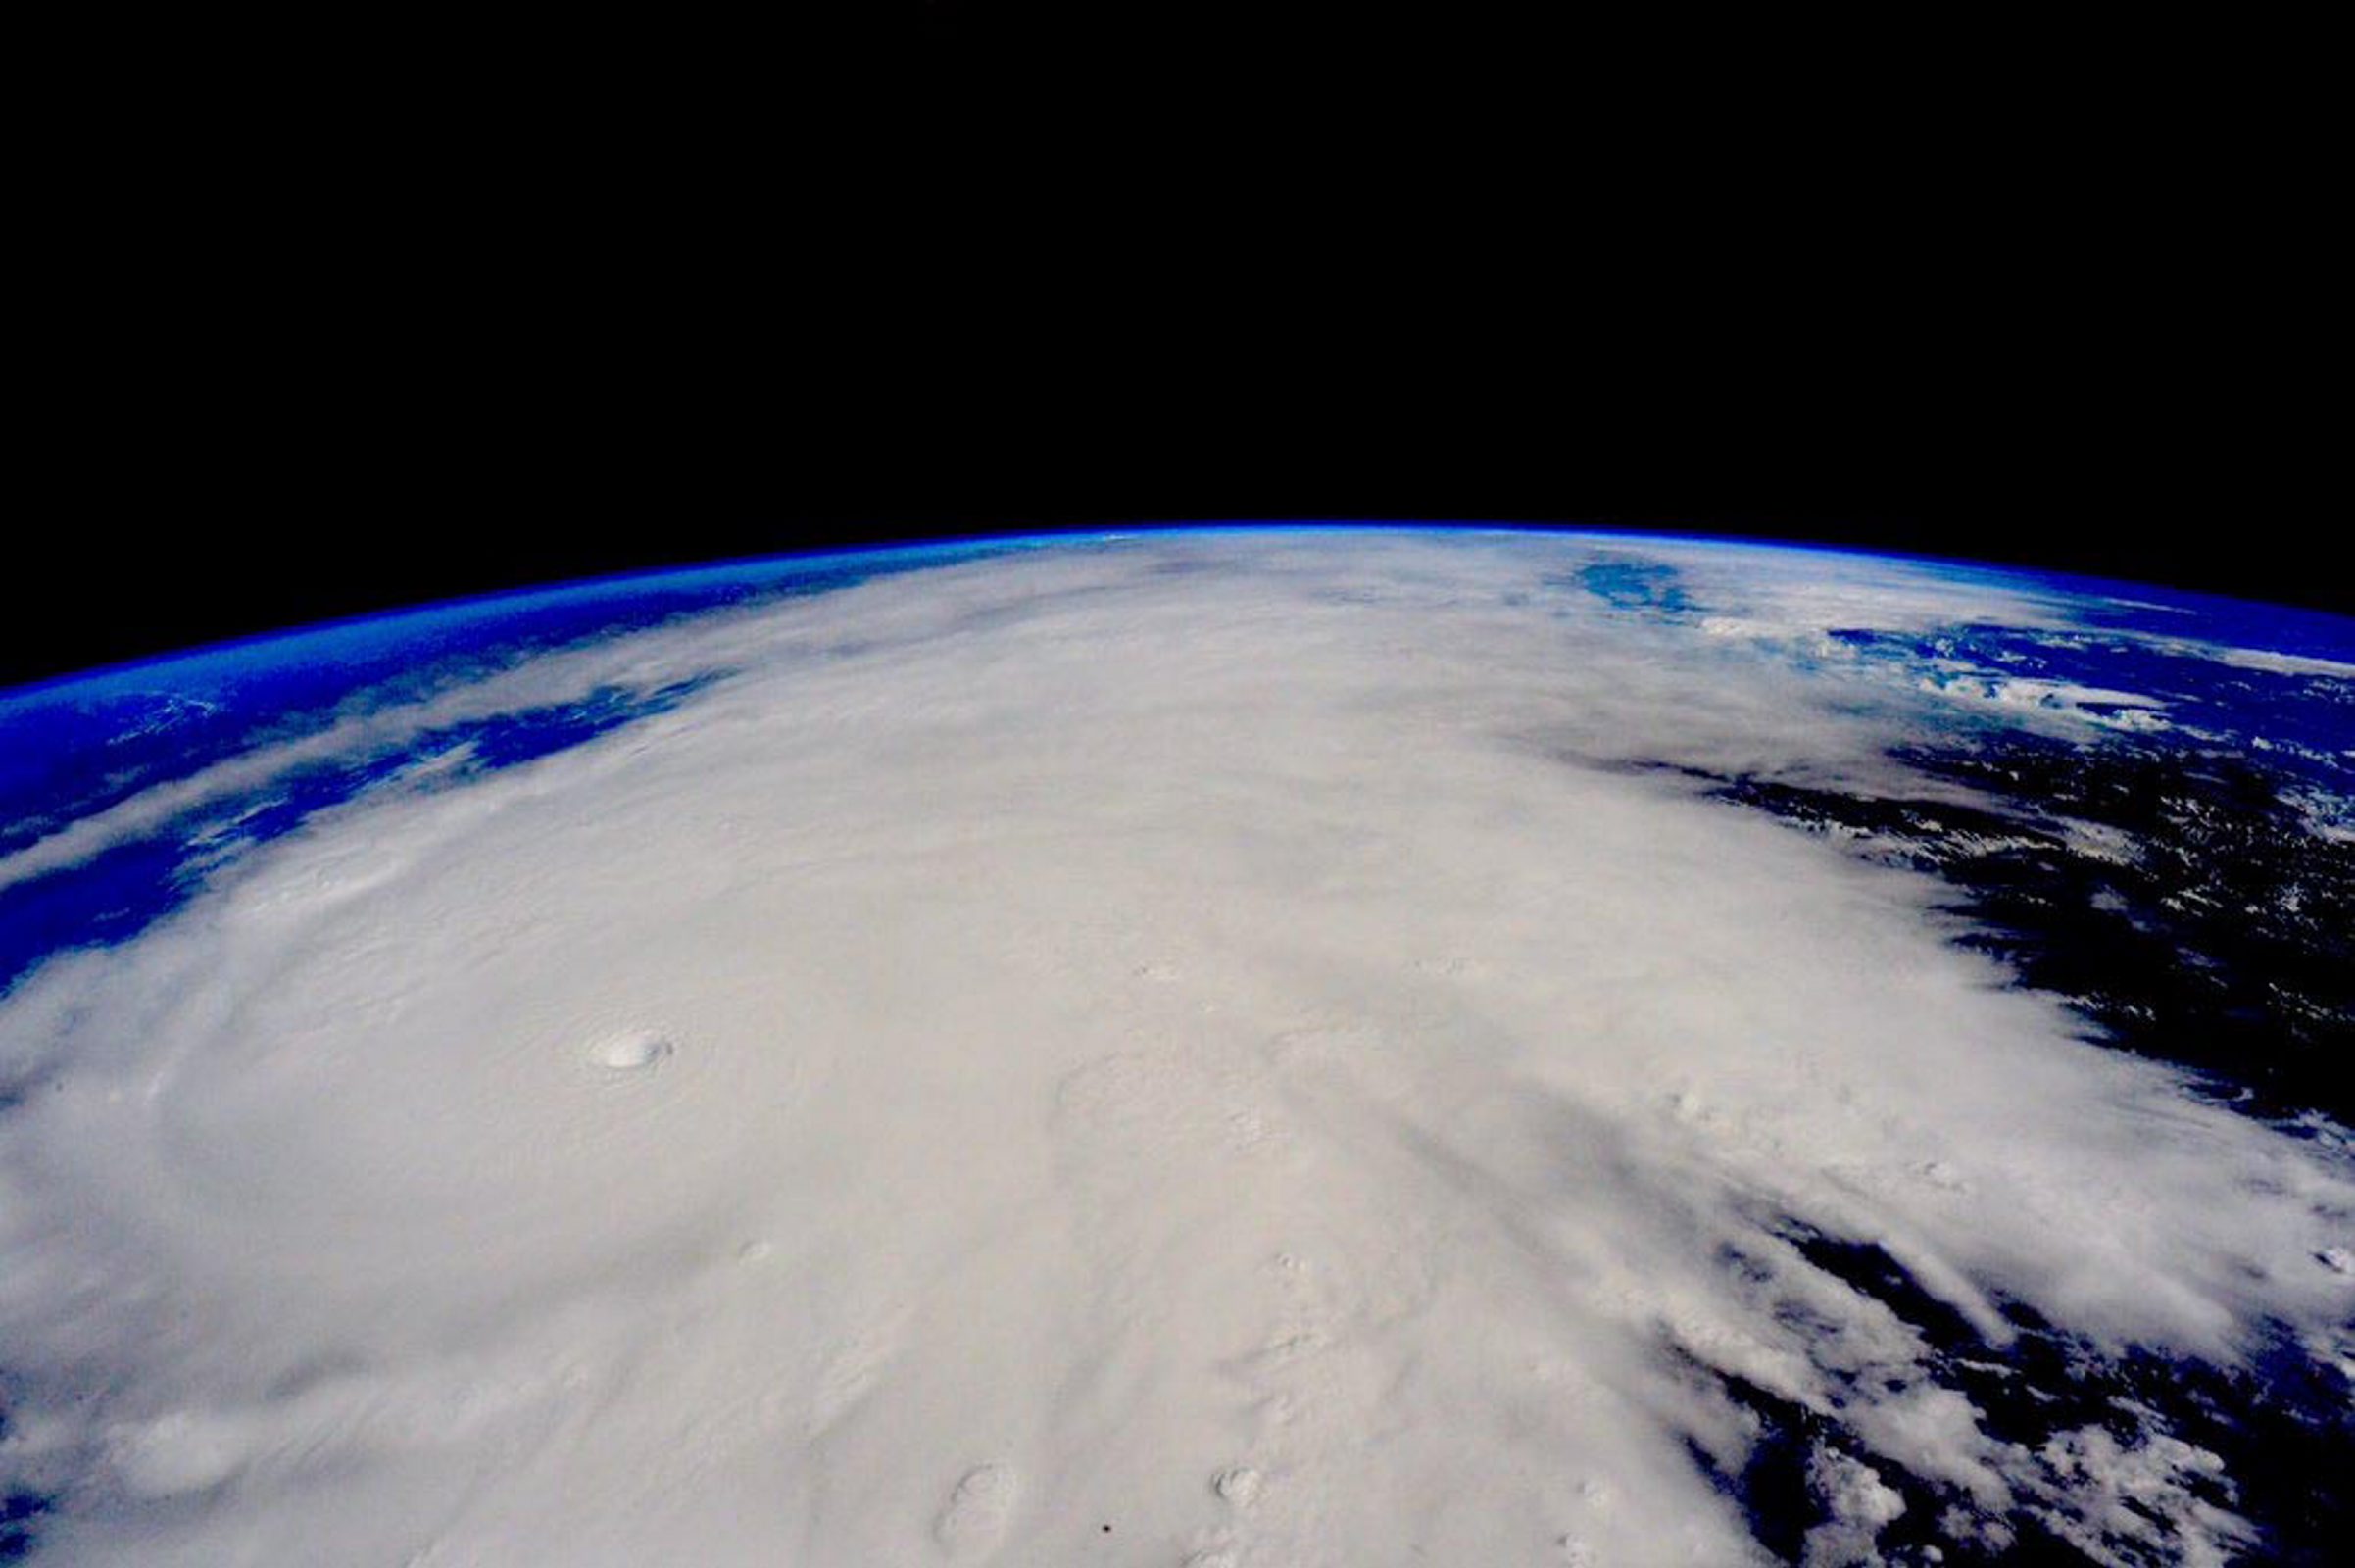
{"points": [[1210, 1037]]}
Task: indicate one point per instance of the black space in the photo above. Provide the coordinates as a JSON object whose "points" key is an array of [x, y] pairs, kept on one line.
{"points": [[389, 336]]}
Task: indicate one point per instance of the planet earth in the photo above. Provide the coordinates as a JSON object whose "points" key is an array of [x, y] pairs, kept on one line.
{"points": [[1224, 1047]]}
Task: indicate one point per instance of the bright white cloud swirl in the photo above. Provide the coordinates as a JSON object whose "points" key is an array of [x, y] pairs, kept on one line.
{"points": [[1184, 1050]]}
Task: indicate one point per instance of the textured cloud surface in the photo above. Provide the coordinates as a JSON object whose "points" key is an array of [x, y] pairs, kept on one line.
{"points": [[1233, 1049]]}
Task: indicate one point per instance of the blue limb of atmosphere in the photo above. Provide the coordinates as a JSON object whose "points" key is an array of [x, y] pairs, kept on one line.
{"points": [[2178, 650], [2304, 721], [78, 746], [82, 742]]}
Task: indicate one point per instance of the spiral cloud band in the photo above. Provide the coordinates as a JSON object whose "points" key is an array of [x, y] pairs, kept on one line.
{"points": [[1229, 1048]]}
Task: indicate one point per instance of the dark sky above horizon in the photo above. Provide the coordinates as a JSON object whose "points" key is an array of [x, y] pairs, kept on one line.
{"points": [[284, 513], [109, 608], [280, 510], [1038, 265]]}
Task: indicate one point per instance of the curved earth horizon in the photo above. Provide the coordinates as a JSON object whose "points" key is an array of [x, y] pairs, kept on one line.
{"points": [[1224, 1047]]}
